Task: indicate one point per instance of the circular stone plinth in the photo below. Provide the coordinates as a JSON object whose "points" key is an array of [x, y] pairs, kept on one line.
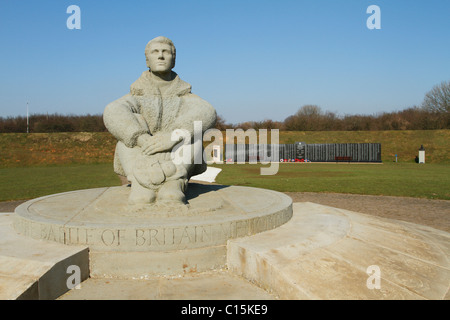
{"points": [[162, 239]]}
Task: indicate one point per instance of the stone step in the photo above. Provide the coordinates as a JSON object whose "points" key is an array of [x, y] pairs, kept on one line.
{"points": [[330, 253], [211, 285], [36, 269]]}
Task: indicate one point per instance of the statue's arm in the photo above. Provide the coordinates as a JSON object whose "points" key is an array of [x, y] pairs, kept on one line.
{"points": [[120, 120], [198, 110]]}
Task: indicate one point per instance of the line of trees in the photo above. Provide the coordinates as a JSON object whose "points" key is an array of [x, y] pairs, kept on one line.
{"points": [[312, 118], [39, 123], [307, 118], [434, 113]]}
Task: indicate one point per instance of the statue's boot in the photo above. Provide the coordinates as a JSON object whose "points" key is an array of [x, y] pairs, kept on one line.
{"points": [[140, 194], [172, 192], [148, 172]]}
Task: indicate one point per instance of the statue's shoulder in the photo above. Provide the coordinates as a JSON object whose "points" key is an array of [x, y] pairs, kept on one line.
{"points": [[195, 99], [127, 100], [143, 85], [200, 109]]}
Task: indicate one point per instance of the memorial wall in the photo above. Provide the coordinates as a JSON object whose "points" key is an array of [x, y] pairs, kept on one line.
{"points": [[302, 152]]}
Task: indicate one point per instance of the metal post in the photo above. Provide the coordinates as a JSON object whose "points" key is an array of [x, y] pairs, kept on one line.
{"points": [[28, 122]]}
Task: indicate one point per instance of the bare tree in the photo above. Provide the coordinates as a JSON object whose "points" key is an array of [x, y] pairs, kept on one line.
{"points": [[221, 125], [309, 110], [438, 98]]}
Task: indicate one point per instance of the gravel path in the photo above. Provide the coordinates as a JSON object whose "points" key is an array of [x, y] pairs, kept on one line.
{"points": [[9, 206], [432, 213]]}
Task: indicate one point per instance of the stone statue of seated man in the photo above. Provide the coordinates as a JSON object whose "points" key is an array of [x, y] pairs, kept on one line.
{"points": [[143, 121]]}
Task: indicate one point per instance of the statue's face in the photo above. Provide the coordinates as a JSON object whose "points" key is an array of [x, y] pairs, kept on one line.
{"points": [[160, 57]]}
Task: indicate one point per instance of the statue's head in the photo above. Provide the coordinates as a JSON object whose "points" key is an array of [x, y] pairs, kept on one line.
{"points": [[160, 53]]}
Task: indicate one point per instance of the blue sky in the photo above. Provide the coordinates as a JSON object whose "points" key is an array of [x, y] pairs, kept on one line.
{"points": [[251, 59]]}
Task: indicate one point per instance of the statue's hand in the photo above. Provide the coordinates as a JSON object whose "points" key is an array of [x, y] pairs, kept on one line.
{"points": [[157, 143]]}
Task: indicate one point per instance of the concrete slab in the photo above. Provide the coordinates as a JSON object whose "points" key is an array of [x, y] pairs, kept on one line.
{"points": [[129, 242], [214, 285], [321, 253], [325, 253], [208, 176], [33, 269]]}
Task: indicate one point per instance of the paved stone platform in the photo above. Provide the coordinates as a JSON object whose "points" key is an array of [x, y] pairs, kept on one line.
{"points": [[33, 269], [321, 253], [143, 241], [329, 253]]}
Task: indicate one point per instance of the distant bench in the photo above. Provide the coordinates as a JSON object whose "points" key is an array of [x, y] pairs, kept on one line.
{"points": [[343, 158]]}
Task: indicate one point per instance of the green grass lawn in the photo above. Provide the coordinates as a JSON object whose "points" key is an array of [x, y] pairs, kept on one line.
{"points": [[32, 182], [392, 179], [33, 165]]}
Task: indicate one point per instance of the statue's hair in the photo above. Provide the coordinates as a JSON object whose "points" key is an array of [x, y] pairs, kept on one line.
{"points": [[165, 40]]}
